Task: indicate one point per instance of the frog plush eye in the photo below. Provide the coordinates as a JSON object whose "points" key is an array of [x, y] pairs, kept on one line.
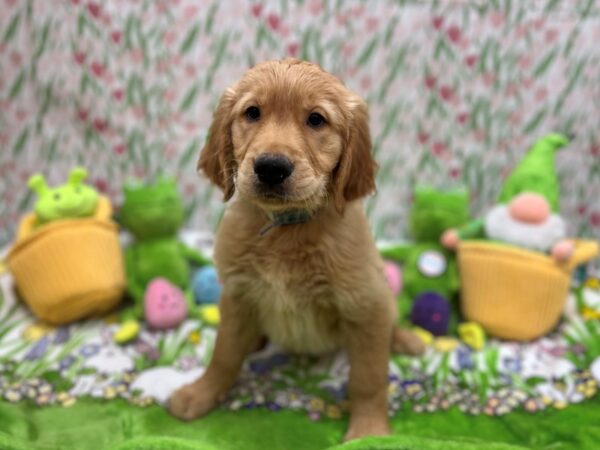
{"points": [[432, 263]]}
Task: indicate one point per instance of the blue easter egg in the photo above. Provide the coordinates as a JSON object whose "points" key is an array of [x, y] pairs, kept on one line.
{"points": [[206, 286]]}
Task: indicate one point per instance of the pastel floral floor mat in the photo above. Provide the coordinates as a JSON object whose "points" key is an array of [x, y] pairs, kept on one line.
{"points": [[60, 366]]}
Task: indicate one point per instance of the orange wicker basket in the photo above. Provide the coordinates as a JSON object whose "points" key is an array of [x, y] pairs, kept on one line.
{"points": [[513, 293], [69, 269]]}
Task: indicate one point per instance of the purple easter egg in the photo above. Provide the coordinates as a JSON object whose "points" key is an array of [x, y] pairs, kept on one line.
{"points": [[164, 305], [431, 312]]}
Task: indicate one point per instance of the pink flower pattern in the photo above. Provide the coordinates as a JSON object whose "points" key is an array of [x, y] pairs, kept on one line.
{"points": [[457, 91]]}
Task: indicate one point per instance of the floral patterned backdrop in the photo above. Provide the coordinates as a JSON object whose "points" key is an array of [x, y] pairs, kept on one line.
{"points": [[458, 90]]}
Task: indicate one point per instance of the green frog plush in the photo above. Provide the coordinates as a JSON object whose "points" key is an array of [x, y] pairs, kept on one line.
{"points": [[429, 270], [73, 199], [157, 263]]}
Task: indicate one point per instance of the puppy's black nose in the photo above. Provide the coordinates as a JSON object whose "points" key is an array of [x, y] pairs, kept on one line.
{"points": [[272, 169]]}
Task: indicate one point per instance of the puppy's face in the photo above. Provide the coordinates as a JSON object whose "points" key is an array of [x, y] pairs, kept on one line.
{"points": [[289, 135]]}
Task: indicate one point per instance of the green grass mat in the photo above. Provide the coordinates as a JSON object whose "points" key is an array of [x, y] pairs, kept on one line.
{"points": [[115, 425]]}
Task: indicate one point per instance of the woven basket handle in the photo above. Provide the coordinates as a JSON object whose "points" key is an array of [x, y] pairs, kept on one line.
{"points": [[585, 250], [104, 209]]}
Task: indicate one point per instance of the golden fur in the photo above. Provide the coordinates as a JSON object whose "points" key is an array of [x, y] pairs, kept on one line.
{"points": [[312, 287]]}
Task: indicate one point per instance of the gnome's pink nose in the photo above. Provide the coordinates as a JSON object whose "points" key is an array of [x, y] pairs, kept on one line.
{"points": [[529, 208]]}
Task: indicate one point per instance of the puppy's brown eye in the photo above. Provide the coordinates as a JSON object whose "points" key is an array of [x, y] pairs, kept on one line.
{"points": [[253, 113], [315, 120]]}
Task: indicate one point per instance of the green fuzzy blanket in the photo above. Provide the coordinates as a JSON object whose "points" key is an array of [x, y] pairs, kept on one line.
{"points": [[116, 425]]}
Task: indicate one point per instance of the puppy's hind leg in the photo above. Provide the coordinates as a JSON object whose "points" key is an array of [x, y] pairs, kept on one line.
{"points": [[238, 335], [406, 342]]}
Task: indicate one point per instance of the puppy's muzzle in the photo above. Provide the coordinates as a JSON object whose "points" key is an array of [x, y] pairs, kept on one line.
{"points": [[272, 169]]}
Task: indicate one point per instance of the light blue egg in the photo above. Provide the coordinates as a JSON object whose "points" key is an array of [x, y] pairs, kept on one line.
{"points": [[206, 286]]}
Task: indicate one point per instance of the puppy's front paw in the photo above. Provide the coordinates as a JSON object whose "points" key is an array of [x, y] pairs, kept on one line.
{"points": [[367, 427], [192, 401]]}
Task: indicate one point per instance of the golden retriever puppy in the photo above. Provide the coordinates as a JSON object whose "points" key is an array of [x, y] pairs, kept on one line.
{"points": [[294, 249]]}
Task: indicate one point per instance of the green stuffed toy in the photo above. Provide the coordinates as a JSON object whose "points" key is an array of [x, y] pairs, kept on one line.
{"points": [[430, 276], [157, 263], [536, 172], [527, 212], [73, 199]]}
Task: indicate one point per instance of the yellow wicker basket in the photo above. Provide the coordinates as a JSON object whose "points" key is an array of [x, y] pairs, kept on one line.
{"points": [[69, 269], [513, 293]]}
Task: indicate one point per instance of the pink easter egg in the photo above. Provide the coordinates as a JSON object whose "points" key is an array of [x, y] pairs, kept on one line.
{"points": [[393, 275], [164, 305]]}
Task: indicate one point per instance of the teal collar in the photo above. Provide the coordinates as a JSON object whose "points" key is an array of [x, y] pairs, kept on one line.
{"points": [[289, 217]]}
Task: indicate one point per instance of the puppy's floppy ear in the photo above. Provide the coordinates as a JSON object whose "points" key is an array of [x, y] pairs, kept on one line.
{"points": [[355, 175], [216, 158]]}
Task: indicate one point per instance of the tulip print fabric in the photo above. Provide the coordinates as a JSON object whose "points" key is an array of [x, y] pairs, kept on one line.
{"points": [[457, 89]]}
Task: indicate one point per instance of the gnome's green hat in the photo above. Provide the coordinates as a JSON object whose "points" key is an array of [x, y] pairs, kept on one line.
{"points": [[537, 172]]}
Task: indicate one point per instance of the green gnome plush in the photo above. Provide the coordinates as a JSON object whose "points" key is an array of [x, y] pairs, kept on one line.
{"points": [[536, 173], [430, 276], [527, 211]]}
